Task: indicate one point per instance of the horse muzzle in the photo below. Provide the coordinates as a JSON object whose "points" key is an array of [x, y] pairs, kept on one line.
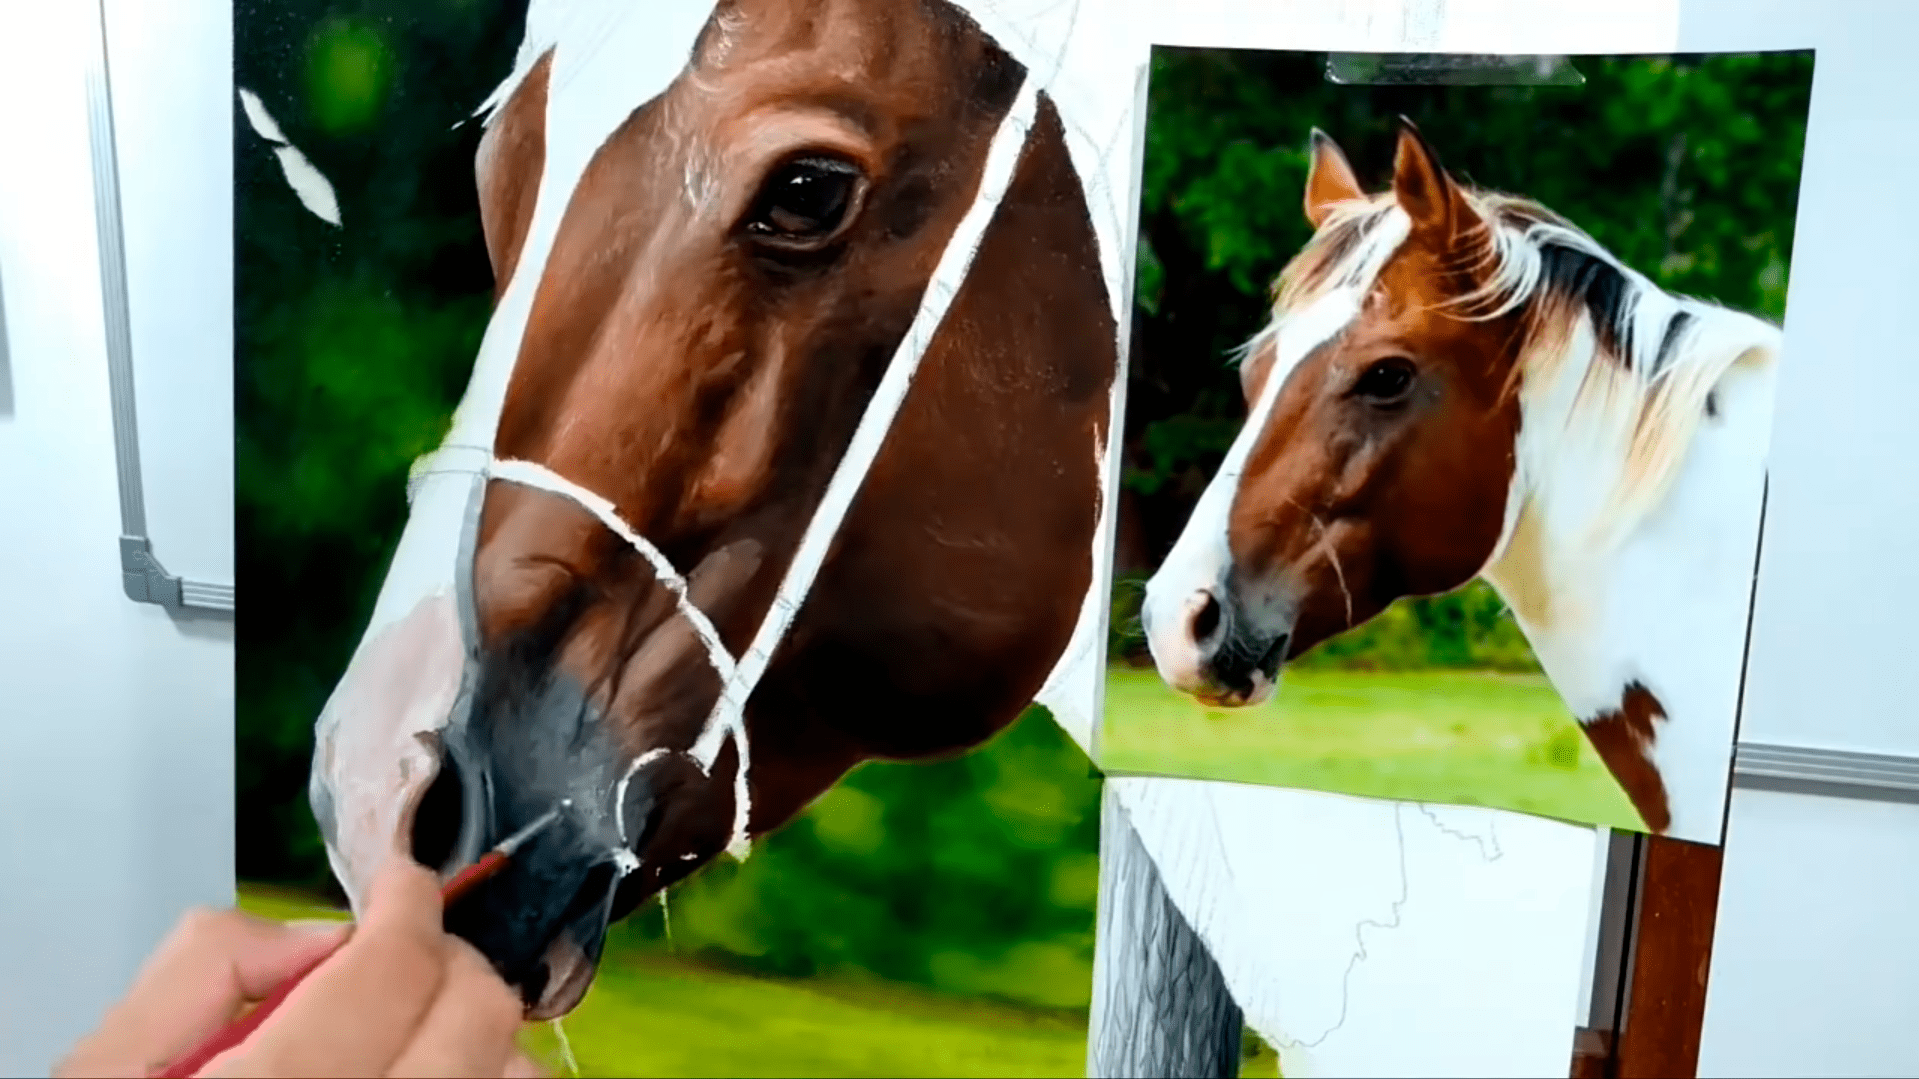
{"points": [[1210, 645], [542, 920], [528, 744]]}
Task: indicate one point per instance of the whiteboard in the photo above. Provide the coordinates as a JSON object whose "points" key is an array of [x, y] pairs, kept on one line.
{"points": [[1815, 962], [182, 312], [174, 122], [1815, 970], [1831, 633]]}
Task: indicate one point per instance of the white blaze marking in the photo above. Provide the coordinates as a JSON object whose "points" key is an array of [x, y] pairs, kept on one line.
{"points": [[1199, 558]]}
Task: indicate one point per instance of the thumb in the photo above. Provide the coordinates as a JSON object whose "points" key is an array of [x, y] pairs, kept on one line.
{"points": [[522, 1067]]}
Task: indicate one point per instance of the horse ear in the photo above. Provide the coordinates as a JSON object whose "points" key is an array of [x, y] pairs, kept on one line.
{"points": [[1422, 187], [1329, 179], [507, 169]]}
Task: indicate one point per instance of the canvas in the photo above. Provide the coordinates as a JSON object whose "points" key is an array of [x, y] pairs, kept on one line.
{"points": [[635, 419], [657, 413], [1454, 403]]}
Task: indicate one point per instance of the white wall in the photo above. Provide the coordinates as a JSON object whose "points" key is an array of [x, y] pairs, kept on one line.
{"points": [[1843, 508], [116, 771], [1815, 967]]}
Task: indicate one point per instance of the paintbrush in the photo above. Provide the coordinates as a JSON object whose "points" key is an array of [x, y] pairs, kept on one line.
{"points": [[242, 1028]]}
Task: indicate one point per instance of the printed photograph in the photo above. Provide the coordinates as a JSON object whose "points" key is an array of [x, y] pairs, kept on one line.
{"points": [[1448, 409], [675, 438]]}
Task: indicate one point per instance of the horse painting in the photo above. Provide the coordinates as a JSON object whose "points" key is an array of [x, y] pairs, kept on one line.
{"points": [[678, 612], [1458, 383]]}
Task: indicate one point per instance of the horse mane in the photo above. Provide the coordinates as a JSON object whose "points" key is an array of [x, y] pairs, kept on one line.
{"points": [[1647, 359]]}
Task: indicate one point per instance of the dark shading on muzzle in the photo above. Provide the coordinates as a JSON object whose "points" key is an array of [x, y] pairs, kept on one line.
{"points": [[524, 741], [1240, 636]]}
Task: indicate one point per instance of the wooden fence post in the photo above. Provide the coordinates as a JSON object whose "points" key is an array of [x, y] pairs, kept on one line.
{"points": [[1160, 1005]]}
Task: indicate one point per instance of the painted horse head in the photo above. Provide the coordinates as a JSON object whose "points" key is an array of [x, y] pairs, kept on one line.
{"points": [[1459, 383], [734, 275]]}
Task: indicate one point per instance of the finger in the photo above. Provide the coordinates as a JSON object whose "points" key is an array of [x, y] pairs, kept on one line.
{"points": [[212, 963], [472, 1026], [405, 896], [359, 1010]]}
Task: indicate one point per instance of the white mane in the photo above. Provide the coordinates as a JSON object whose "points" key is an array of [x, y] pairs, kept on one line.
{"points": [[1641, 362]]}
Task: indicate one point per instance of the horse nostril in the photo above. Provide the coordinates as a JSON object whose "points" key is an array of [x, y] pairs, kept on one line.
{"points": [[436, 823], [1206, 620]]}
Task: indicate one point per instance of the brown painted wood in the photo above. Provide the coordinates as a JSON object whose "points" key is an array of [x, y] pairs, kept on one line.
{"points": [[1672, 951], [1592, 1054], [1668, 920]]}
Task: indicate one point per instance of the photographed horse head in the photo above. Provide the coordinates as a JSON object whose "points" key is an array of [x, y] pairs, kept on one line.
{"points": [[735, 273], [1401, 420], [1458, 383]]}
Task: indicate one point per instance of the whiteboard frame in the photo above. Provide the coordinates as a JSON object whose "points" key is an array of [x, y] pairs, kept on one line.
{"points": [[142, 576], [1838, 773]]}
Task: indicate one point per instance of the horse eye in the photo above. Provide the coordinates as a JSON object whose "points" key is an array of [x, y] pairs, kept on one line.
{"points": [[1386, 382], [804, 201]]}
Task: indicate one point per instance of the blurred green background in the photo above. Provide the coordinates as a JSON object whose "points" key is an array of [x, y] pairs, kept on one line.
{"points": [[1686, 167], [919, 919]]}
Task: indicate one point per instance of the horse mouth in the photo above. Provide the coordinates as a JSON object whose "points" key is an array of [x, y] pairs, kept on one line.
{"points": [[570, 973], [542, 919], [1243, 687], [547, 952]]}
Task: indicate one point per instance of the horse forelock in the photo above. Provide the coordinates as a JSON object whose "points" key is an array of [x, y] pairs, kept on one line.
{"points": [[1348, 250]]}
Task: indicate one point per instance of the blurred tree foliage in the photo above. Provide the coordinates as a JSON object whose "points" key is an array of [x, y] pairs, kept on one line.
{"points": [[1687, 168], [352, 346], [976, 874]]}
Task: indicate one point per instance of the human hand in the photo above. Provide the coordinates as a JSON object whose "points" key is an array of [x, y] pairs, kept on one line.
{"points": [[402, 997]]}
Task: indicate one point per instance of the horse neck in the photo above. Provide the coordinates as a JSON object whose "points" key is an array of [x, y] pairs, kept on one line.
{"points": [[1655, 604]]}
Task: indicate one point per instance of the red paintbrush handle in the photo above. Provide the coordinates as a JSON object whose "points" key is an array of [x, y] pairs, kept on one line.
{"points": [[240, 1029], [464, 881]]}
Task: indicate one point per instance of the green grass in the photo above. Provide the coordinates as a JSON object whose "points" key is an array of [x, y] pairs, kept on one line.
{"points": [[654, 1014], [657, 1015], [285, 904], [1462, 737], [1441, 736]]}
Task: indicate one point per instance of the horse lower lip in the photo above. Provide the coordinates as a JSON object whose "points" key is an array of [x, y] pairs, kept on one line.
{"points": [[570, 975], [571, 960]]}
